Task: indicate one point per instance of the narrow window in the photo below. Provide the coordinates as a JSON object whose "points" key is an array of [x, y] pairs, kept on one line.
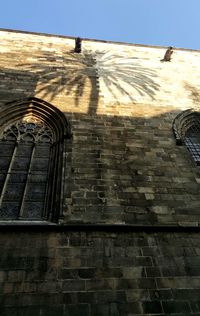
{"points": [[186, 127]]}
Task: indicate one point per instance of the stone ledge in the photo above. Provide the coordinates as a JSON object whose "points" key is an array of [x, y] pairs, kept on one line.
{"points": [[48, 226]]}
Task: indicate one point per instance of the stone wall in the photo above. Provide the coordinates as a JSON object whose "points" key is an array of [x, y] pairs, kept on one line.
{"points": [[98, 273], [121, 101], [123, 168]]}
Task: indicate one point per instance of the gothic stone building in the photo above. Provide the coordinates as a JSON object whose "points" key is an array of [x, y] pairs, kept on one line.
{"points": [[99, 178]]}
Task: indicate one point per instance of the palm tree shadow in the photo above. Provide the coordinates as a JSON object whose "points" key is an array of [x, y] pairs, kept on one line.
{"points": [[125, 74], [72, 72], [194, 92]]}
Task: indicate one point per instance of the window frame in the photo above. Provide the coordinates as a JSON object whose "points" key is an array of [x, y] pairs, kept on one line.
{"points": [[58, 124]]}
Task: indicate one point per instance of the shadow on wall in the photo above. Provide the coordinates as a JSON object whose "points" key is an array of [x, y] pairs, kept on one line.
{"points": [[194, 92], [123, 157], [125, 74], [16, 84], [130, 170], [71, 73], [68, 73]]}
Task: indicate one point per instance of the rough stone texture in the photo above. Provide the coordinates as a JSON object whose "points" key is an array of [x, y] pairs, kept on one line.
{"points": [[124, 167], [96, 273], [129, 169]]}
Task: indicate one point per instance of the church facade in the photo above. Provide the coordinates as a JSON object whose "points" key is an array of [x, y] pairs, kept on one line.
{"points": [[99, 177]]}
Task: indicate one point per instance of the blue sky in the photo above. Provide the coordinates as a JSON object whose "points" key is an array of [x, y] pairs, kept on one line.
{"points": [[154, 22]]}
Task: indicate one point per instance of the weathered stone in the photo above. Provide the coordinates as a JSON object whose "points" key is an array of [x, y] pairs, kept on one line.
{"points": [[121, 168]]}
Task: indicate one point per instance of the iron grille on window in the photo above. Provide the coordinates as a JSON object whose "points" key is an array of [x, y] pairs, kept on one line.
{"points": [[192, 142], [186, 127]]}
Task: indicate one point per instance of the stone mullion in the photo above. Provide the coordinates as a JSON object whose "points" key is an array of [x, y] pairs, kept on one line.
{"points": [[63, 168], [54, 182], [27, 178], [8, 172], [47, 193], [57, 185]]}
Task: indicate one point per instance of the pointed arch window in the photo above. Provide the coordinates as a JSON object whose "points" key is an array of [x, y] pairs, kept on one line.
{"points": [[32, 145], [186, 127]]}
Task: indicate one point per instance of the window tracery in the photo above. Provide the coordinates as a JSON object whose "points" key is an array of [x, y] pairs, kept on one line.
{"points": [[28, 130]]}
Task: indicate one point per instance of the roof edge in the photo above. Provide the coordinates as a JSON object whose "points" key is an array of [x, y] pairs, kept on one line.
{"points": [[94, 40]]}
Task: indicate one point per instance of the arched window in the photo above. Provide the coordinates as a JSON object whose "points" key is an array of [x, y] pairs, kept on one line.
{"points": [[186, 127], [32, 145]]}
